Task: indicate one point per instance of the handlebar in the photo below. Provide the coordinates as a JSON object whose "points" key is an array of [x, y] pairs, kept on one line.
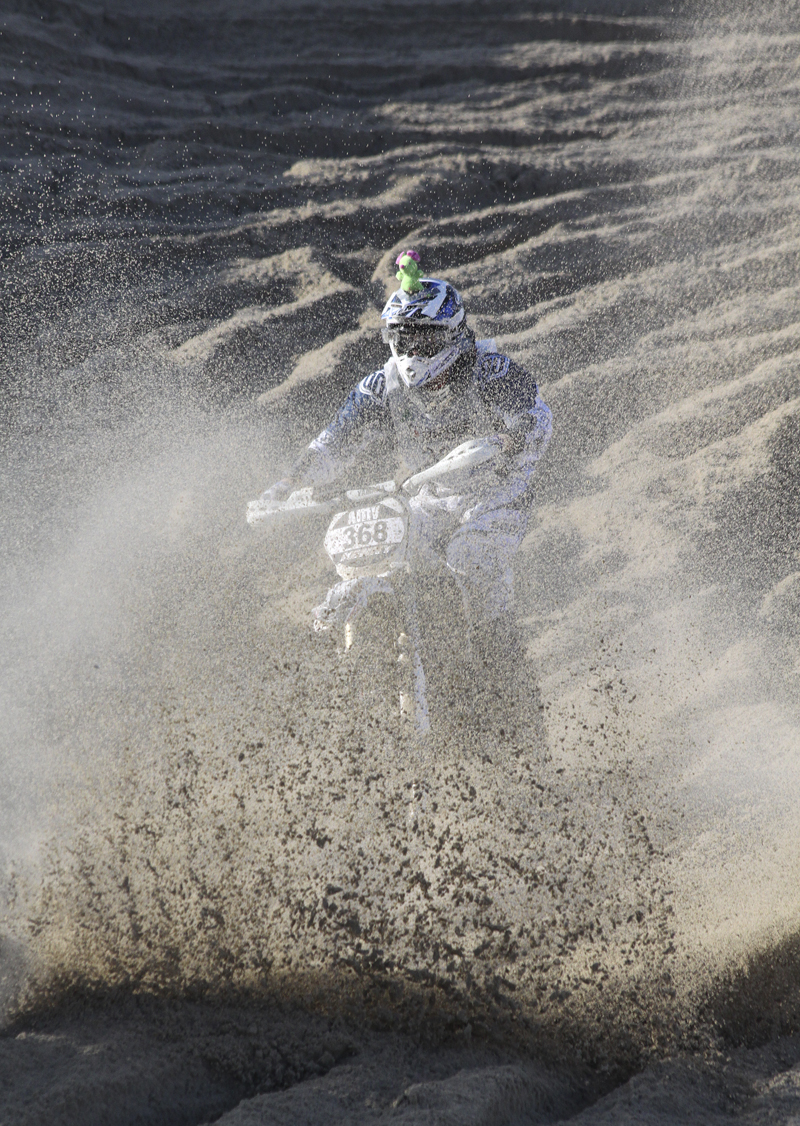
{"points": [[468, 455], [301, 500]]}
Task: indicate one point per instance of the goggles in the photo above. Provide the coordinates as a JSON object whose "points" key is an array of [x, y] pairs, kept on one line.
{"points": [[416, 339]]}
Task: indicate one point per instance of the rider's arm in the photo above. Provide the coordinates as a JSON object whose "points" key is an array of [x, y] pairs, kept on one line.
{"points": [[506, 386], [512, 393], [360, 420]]}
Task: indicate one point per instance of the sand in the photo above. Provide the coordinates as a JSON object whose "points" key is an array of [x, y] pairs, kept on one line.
{"points": [[216, 902]]}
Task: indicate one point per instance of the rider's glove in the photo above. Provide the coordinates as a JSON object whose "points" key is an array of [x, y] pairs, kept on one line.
{"points": [[511, 443], [275, 493], [259, 510]]}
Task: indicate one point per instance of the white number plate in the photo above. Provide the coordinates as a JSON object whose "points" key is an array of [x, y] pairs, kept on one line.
{"points": [[368, 540], [367, 537]]}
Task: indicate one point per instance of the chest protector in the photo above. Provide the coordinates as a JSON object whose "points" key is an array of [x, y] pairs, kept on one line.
{"points": [[428, 424]]}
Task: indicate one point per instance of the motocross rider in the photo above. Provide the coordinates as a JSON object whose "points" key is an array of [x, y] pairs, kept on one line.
{"points": [[439, 388]]}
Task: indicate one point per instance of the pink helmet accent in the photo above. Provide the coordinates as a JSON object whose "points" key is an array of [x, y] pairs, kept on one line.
{"points": [[407, 254]]}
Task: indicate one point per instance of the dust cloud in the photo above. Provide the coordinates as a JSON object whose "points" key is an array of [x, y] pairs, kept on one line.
{"points": [[209, 869]]}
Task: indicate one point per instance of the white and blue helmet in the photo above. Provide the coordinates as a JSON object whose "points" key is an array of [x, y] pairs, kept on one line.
{"points": [[426, 331]]}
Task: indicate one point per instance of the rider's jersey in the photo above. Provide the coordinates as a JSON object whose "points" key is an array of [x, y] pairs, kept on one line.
{"points": [[496, 396]]}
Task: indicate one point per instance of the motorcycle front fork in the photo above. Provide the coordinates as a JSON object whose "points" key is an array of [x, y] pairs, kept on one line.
{"points": [[412, 699], [413, 704]]}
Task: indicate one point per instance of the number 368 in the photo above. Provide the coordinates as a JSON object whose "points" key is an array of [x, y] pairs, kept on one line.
{"points": [[367, 534]]}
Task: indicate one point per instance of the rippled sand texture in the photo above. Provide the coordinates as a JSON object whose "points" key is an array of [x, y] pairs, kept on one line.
{"points": [[203, 205]]}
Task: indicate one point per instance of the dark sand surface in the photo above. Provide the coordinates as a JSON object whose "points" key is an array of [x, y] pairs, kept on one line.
{"points": [[214, 900]]}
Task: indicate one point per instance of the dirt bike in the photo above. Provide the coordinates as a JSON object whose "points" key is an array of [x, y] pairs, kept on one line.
{"points": [[370, 540]]}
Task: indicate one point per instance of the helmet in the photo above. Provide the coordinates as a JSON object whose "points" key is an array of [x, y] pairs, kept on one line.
{"points": [[426, 331]]}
